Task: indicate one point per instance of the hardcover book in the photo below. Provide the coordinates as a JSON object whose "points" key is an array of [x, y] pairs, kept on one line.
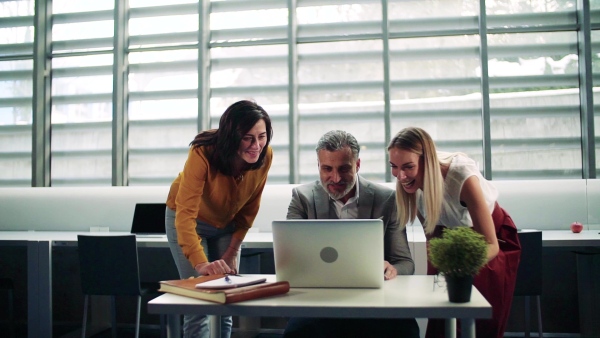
{"points": [[189, 288]]}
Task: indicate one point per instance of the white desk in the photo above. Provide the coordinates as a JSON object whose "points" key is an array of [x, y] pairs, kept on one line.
{"points": [[566, 238], [39, 267], [402, 297], [585, 245]]}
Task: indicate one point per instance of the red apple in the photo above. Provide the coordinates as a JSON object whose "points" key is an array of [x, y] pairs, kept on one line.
{"points": [[576, 227]]}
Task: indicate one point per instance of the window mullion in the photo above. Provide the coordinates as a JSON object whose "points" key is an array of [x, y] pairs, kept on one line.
{"points": [[485, 93], [586, 95], [120, 90], [41, 95], [204, 65], [293, 91]]}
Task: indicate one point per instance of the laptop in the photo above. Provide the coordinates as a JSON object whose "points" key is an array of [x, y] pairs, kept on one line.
{"points": [[329, 253], [149, 220]]}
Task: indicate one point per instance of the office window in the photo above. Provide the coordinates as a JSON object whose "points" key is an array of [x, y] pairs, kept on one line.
{"points": [[435, 86], [257, 73], [416, 13], [503, 7], [534, 92], [163, 88], [340, 81], [82, 26], [163, 113], [436, 80], [163, 24], [16, 89], [81, 120], [249, 61], [341, 87], [81, 112], [351, 70]]}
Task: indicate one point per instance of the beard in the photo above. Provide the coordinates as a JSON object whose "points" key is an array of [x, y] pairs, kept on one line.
{"points": [[338, 195]]}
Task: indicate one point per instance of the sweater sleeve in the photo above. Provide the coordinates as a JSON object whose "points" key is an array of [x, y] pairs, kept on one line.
{"points": [[187, 201]]}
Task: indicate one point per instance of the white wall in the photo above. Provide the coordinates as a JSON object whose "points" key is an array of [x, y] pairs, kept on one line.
{"points": [[533, 204]]}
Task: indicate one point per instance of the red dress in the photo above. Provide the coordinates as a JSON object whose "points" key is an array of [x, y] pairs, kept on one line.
{"points": [[496, 280]]}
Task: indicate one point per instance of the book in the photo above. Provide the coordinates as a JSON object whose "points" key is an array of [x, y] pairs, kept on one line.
{"points": [[230, 281], [187, 288]]}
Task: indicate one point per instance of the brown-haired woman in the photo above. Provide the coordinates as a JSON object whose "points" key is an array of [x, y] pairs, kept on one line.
{"points": [[213, 202]]}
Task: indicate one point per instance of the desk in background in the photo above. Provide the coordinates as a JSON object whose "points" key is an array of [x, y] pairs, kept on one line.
{"points": [[402, 297], [586, 246], [39, 267]]}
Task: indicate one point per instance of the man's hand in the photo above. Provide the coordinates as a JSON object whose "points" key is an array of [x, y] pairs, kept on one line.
{"points": [[389, 271]]}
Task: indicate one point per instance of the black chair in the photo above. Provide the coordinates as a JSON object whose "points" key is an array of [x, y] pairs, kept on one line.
{"points": [[6, 284], [109, 266], [529, 275]]}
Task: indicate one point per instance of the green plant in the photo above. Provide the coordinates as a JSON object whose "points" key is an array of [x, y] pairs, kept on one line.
{"points": [[459, 252]]}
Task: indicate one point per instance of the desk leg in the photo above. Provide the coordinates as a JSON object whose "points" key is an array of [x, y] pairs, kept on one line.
{"points": [[173, 326], [467, 328], [39, 289], [450, 327]]}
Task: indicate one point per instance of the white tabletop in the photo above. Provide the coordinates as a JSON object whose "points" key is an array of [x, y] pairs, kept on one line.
{"points": [[264, 240], [404, 296], [255, 240], [566, 238]]}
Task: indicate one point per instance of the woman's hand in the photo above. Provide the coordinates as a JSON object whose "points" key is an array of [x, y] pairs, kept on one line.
{"points": [[389, 271], [217, 267], [231, 258], [231, 254]]}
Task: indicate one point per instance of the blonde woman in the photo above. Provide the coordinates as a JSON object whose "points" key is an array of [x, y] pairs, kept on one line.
{"points": [[448, 190]]}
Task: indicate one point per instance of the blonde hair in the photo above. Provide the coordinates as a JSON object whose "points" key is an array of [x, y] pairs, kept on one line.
{"points": [[418, 141]]}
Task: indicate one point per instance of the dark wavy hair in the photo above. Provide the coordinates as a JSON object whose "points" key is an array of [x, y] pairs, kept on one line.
{"points": [[223, 143]]}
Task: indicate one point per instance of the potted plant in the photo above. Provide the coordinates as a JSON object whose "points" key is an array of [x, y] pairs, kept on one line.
{"points": [[459, 255]]}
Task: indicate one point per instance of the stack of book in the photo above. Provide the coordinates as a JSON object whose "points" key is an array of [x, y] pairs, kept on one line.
{"points": [[225, 289]]}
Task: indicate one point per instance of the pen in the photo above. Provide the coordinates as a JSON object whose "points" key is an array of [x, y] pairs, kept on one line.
{"points": [[228, 280]]}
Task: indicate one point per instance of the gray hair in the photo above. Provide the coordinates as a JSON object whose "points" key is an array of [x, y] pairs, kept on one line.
{"points": [[337, 140]]}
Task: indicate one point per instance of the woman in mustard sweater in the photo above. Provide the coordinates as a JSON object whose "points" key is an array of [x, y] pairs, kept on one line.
{"points": [[213, 202]]}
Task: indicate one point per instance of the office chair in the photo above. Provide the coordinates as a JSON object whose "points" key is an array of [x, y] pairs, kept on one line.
{"points": [[109, 266], [6, 284], [529, 275]]}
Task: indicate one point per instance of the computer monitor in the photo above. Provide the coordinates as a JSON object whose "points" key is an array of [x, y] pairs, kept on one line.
{"points": [[149, 219]]}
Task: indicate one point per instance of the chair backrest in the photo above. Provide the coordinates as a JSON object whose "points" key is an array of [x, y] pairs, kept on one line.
{"points": [[108, 265], [529, 275]]}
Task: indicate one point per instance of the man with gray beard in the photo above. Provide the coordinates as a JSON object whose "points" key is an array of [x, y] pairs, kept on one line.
{"points": [[341, 193]]}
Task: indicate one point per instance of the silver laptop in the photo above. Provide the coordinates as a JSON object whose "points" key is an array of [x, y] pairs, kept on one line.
{"points": [[332, 253]]}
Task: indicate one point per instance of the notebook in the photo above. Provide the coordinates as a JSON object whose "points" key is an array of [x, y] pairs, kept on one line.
{"points": [[149, 220], [339, 253], [231, 281]]}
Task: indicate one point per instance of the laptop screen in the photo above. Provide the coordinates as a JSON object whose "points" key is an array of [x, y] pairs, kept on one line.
{"points": [[149, 218]]}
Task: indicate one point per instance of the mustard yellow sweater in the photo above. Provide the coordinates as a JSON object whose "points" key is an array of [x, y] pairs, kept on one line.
{"points": [[203, 193]]}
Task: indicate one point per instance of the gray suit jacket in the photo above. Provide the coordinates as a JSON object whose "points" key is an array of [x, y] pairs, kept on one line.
{"points": [[311, 201]]}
